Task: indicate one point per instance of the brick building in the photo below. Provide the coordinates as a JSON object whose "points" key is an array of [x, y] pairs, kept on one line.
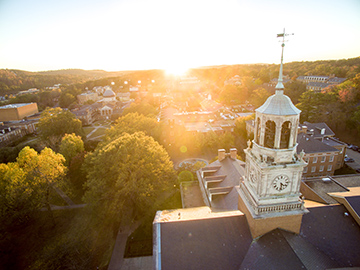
{"points": [[16, 112]]}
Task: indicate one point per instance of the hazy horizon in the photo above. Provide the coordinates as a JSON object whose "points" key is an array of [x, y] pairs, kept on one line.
{"points": [[126, 35]]}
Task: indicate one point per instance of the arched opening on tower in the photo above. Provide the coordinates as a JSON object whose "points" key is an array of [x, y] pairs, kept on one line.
{"points": [[285, 135], [258, 130], [269, 139]]}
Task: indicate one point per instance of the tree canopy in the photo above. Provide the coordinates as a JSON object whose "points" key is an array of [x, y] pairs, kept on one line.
{"points": [[70, 146], [143, 108], [54, 123], [127, 175], [25, 184], [134, 122]]}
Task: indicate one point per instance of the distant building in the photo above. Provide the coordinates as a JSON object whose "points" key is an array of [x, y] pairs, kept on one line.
{"points": [[16, 112], [210, 105], [236, 80], [274, 81], [109, 96], [102, 109], [323, 153], [87, 114], [318, 83], [123, 96], [84, 97], [29, 91], [8, 134]]}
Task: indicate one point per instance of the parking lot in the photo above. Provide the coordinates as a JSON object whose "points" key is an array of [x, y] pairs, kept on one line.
{"points": [[355, 156]]}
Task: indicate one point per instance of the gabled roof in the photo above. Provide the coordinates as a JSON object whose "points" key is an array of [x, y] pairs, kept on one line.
{"points": [[109, 93], [229, 171]]}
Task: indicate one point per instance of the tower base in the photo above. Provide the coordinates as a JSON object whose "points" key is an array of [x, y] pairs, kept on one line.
{"points": [[262, 224]]}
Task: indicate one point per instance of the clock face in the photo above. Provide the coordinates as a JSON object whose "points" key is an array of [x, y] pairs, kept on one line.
{"points": [[280, 182]]}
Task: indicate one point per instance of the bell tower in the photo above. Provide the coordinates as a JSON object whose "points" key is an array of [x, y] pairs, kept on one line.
{"points": [[269, 193]]}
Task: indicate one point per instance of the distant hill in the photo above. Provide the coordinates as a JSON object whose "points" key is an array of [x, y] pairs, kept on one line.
{"points": [[12, 80], [81, 72]]}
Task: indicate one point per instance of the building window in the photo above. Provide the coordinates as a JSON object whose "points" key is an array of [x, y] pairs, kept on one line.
{"points": [[307, 160], [331, 159], [323, 159], [314, 159], [313, 169], [329, 168], [321, 168], [305, 170]]}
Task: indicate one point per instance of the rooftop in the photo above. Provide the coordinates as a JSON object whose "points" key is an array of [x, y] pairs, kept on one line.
{"points": [[311, 145], [328, 239], [278, 104], [17, 105]]}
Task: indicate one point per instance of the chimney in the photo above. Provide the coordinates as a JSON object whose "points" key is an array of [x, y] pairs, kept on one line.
{"points": [[304, 129], [221, 154], [233, 153]]}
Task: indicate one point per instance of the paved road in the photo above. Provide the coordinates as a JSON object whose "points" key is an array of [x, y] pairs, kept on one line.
{"points": [[354, 155]]}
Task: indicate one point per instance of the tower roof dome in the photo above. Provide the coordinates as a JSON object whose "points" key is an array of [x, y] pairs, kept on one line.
{"points": [[278, 104], [109, 93]]}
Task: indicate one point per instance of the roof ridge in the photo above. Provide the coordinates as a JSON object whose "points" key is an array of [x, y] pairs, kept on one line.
{"points": [[307, 253]]}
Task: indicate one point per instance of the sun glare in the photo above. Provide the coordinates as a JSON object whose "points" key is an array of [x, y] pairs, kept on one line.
{"points": [[176, 70]]}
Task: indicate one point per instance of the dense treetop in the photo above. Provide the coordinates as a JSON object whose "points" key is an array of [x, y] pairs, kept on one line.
{"points": [[55, 123], [127, 174]]}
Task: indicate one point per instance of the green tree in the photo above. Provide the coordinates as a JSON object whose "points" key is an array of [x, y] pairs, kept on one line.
{"points": [[126, 175], [210, 142], [76, 174], [185, 176], [143, 108], [26, 184], [294, 89], [240, 126], [66, 99], [70, 146], [134, 122], [259, 96], [54, 123], [187, 171], [232, 94]]}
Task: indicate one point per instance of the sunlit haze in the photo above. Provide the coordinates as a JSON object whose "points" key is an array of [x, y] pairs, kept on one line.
{"points": [[172, 35]]}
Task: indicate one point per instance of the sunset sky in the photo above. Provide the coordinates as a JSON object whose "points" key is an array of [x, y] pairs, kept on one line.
{"points": [[113, 35]]}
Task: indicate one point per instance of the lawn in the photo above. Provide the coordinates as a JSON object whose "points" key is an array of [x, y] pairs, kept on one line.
{"points": [[98, 132], [87, 130]]}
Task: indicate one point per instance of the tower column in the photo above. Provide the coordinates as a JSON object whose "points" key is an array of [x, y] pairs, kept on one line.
{"points": [[277, 136], [256, 130], [292, 133], [262, 133]]}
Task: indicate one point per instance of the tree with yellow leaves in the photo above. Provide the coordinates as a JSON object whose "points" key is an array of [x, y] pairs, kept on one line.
{"points": [[25, 185]]}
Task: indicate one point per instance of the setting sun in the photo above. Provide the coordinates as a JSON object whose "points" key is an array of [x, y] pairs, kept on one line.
{"points": [[176, 70]]}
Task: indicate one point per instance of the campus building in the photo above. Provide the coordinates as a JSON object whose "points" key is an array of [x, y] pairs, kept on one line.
{"points": [[17, 112]]}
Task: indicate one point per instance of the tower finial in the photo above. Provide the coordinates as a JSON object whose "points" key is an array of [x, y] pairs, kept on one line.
{"points": [[280, 87]]}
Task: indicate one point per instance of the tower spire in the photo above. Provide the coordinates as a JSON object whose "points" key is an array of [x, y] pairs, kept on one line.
{"points": [[280, 87]]}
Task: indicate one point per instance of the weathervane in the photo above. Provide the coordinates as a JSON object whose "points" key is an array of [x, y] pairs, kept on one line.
{"points": [[280, 85]]}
